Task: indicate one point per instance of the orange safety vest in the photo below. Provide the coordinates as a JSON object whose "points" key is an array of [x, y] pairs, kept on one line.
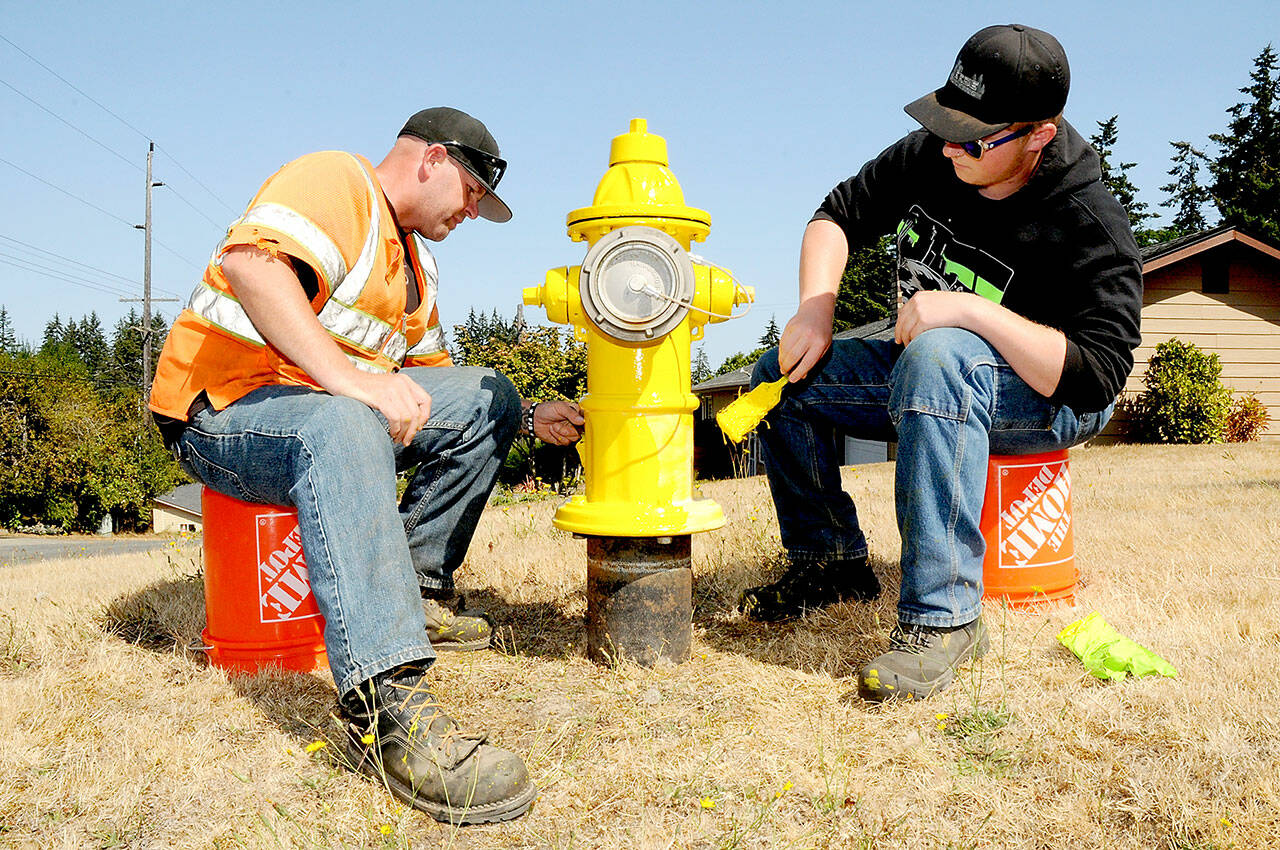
{"points": [[328, 210]]}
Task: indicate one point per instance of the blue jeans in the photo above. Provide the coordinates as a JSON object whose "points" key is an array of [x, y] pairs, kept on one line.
{"points": [[950, 400], [333, 459]]}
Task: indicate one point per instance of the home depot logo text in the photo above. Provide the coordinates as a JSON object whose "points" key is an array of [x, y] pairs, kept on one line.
{"points": [[283, 585], [1036, 523]]}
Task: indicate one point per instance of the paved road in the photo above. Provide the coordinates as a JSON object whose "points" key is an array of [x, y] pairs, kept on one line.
{"points": [[15, 550]]}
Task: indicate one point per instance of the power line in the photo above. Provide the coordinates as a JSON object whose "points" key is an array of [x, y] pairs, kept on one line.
{"points": [[100, 144], [55, 256], [96, 207], [96, 103], [59, 274], [228, 207], [113, 151], [65, 192], [73, 87]]}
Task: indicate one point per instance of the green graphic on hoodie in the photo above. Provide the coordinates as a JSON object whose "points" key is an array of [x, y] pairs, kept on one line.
{"points": [[930, 257]]}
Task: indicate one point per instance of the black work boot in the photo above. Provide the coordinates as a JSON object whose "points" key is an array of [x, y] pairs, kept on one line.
{"points": [[451, 625], [808, 585], [397, 734], [921, 660]]}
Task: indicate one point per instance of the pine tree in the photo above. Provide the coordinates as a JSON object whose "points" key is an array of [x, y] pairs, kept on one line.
{"points": [[701, 366], [771, 334], [1116, 177], [1246, 173], [89, 342], [8, 340], [1186, 196], [54, 334]]}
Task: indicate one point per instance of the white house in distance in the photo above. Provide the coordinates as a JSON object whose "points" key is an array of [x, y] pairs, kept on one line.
{"points": [[177, 511]]}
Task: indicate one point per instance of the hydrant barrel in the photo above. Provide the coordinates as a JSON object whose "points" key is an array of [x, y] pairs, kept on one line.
{"points": [[638, 302]]}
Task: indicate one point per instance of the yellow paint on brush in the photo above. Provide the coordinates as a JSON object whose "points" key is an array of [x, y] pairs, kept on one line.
{"points": [[741, 417]]}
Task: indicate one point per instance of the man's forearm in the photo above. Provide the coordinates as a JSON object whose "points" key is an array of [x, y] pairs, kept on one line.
{"points": [[273, 298], [1036, 352], [824, 252]]}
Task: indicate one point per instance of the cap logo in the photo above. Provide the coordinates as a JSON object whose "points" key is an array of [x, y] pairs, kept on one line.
{"points": [[972, 86]]}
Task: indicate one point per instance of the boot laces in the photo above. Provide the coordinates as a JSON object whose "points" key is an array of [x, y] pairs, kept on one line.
{"points": [[912, 638]]}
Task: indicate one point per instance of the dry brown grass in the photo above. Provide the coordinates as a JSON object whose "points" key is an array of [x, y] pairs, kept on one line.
{"points": [[114, 734]]}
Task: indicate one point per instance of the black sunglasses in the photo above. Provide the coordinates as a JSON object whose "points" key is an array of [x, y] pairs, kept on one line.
{"points": [[486, 166], [978, 147]]}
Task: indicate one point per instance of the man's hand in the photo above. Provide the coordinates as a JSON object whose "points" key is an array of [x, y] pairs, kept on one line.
{"points": [[272, 297], [806, 337], [405, 404], [558, 422], [933, 308]]}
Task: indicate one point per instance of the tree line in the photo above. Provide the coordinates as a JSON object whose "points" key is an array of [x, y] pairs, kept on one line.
{"points": [[76, 444]]}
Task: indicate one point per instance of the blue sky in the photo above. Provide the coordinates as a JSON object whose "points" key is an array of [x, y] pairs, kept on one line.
{"points": [[764, 106]]}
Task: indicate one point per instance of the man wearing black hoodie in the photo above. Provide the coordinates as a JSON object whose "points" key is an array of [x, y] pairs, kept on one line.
{"points": [[1021, 287]]}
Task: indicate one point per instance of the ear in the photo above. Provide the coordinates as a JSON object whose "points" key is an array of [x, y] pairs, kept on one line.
{"points": [[434, 154], [1042, 135]]}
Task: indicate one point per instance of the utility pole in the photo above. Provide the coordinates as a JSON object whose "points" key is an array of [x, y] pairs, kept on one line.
{"points": [[146, 287]]}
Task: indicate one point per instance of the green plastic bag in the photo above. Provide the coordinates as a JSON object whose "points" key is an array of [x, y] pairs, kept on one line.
{"points": [[1108, 654]]}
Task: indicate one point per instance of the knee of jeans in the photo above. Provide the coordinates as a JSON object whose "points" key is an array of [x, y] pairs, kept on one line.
{"points": [[938, 370], [346, 426], [766, 369]]}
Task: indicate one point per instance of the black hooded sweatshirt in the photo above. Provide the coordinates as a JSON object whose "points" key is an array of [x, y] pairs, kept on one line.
{"points": [[1059, 251]]}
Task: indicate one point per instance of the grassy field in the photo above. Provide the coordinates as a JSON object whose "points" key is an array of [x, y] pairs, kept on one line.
{"points": [[115, 733]]}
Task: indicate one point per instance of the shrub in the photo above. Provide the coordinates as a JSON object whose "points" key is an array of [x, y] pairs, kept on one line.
{"points": [[1184, 402], [1246, 421]]}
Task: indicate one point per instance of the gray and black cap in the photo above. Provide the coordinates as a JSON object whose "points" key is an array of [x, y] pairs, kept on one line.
{"points": [[471, 144], [1003, 75]]}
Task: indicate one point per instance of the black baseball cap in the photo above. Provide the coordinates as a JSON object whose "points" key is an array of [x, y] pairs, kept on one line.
{"points": [[471, 144], [1003, 75]]}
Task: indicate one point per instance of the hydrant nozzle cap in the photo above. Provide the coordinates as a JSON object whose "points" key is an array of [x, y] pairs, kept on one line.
{"points": [[638, 145]]}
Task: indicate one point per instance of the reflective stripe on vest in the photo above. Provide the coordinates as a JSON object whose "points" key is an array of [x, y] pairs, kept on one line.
{"points": [[432, 342], [225, 312], [369, 334]]}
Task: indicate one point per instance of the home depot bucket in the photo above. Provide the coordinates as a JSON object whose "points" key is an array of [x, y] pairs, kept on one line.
{"points": [[1026, 522], [259, 610]]}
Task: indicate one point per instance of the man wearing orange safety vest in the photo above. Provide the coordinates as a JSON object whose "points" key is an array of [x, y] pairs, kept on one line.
{"points": [[297, 375]]}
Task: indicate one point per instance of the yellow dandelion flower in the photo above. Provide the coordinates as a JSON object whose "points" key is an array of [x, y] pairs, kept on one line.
{"points": [[367, 739], [385, 829], [941, 715], [942, 727], [788, 785], [1224, 822], [707, 803], [316, 745]]}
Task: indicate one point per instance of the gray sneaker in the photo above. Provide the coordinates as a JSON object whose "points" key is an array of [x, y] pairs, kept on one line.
{"points": [[921, 660], [451, 625]]}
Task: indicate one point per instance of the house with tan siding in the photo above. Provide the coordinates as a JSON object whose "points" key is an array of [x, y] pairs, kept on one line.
{"points": [[1219, 290]]}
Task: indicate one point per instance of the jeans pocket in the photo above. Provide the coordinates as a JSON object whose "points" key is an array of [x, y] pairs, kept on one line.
{"points": [[211, 474], [1020, 408]]}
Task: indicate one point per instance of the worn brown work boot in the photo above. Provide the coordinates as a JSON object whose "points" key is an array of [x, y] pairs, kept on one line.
{"points": [[398, 735], [451, 625]]}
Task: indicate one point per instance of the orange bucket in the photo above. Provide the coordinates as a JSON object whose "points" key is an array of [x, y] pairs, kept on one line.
{"points": [[1026, 522], [259, 609]]}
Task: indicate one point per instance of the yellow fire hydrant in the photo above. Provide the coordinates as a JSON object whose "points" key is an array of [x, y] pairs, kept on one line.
{"points": [[638, 300]]}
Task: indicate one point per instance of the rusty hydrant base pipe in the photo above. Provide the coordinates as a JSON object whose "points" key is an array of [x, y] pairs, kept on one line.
{"points": [[639, 599]]}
